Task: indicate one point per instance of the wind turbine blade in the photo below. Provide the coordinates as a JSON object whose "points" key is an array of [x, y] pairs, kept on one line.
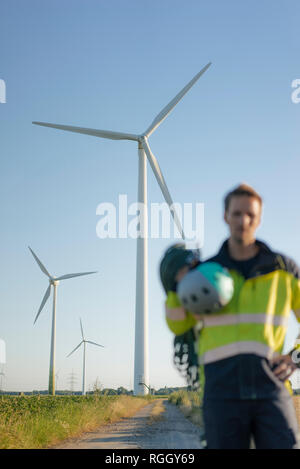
{"points": [[46, 296], [162, 184], [75, 349], [64, 277], [94, 343], [94, 132], [81, 329], [168, 108], [42, 267]]}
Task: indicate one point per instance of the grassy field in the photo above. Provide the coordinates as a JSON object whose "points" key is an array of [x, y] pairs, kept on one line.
{"points": [[43, 421]]}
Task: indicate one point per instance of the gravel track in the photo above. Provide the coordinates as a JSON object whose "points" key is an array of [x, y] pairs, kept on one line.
{"points": [[171, 431]]}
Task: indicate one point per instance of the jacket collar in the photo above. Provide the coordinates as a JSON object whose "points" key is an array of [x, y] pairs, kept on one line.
{"points": [[266, 258], [263, 249]]}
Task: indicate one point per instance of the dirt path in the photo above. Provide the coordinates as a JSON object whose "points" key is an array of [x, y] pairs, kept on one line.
{"points": [[171, 431]]}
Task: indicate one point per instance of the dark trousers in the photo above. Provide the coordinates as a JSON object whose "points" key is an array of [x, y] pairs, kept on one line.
{"points": [[271, 423]]}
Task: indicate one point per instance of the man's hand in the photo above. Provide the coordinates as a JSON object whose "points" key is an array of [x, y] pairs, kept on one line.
{"points": [[184, 270], [285, 366]]}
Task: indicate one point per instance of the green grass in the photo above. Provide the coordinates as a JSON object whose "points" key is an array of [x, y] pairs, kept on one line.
{"points": [[43, 421]]}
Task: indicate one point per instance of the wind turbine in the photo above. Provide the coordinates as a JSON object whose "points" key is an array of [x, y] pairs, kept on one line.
{"points": [[53, 281], [56, 380], [83, 342], [141, 374]]}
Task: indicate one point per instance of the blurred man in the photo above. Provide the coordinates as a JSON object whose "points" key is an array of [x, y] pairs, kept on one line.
{"points": [[247, 393]]}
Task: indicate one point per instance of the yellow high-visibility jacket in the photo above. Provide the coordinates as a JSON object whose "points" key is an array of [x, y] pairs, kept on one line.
{"points": [[255, 321]]}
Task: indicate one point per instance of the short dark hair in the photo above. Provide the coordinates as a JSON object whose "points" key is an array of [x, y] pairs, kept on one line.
{"points": [[241, 189]]}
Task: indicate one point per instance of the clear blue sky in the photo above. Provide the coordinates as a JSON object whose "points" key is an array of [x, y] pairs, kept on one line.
{"points": [[115, 65]]}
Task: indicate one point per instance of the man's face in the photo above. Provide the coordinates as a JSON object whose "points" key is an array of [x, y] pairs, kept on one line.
{"points": [[243, 218]]}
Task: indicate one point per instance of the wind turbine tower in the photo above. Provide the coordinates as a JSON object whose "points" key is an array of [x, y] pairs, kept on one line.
{"points": [[53, 282], [141, 373]]}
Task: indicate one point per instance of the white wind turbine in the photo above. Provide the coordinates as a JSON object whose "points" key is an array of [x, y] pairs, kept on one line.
{"points": [[83, 342], [53, 281], [141, 309]]}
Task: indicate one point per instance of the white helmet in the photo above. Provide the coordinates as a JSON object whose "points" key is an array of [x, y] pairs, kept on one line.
{"points": [[206, 288]]}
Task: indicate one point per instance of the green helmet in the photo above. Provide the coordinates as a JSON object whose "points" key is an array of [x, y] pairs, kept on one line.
{"points": [[176, 257]]}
